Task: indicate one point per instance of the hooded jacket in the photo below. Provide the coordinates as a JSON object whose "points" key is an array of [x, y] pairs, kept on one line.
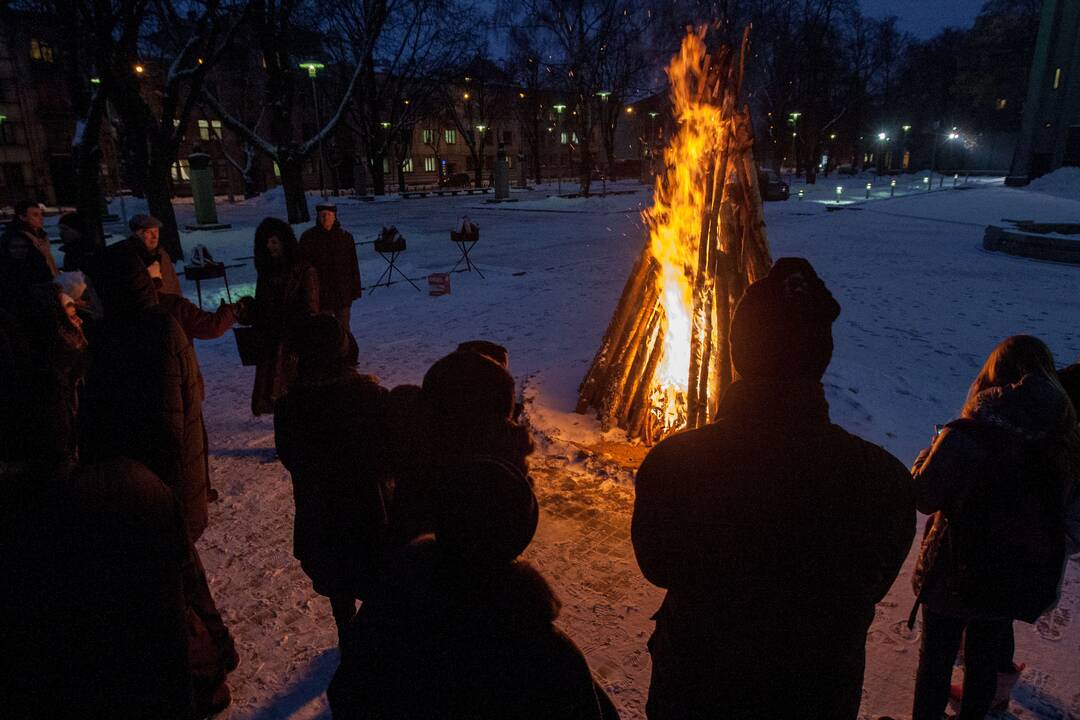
{"points": [[1013, 450]]}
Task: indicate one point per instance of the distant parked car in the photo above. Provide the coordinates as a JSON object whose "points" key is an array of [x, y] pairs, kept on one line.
{"points": [[771, 186], [458, 180]]}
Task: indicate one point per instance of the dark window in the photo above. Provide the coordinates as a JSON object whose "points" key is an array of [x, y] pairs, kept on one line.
{"points": [[7, 132]]}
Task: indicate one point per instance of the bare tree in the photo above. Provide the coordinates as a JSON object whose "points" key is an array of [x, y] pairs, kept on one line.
{"points": [[401, 48], [525, 68], [275, 26], [473, 97]]}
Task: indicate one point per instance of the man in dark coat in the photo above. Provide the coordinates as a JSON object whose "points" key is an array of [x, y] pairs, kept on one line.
{"points": [[25, 244], [331, 251], [774, 531], [328, 429], [144, 241]]}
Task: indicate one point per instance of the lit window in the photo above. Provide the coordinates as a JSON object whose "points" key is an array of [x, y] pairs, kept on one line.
{"points": [[385, 166], [574, 137], [429, 137], [429, 162], [907, 160], [204, 129], [450, 136], [1057, 78], [509, 161], [215, 125], [564, 137], [181, 171], [277, 170], [1002, 103], [407, 165], [41, 51]]}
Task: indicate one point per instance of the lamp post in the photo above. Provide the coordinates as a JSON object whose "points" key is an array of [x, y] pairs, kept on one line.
{"points": [[794, 118], [559, 109], [313, 69]]}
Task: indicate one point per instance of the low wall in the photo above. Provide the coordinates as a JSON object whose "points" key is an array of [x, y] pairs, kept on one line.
{"points": [[1042, 247]]}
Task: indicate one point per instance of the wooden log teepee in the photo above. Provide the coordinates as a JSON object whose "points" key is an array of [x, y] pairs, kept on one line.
{"points": [[719, 228]]}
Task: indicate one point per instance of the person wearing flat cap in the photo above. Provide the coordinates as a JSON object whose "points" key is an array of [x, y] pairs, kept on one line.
{"points": [[774, 531], [459, 627], [331, 251], [145, 241]]}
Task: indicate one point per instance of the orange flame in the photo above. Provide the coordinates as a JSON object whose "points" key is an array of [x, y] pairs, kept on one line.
{"points": [[674, 220]]}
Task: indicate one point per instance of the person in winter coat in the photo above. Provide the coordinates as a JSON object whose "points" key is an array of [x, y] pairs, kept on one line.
{"points": [[92, 613], [459, 628], [328, 429], [79, 254], [287, 290], [773, 530], [25, 244], [464, 408], [331, 251], [996, 481], [144, 241]]}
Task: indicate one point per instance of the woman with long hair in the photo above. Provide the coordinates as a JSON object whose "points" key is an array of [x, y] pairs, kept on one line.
{"points": [[996, 482], [286, 291]]}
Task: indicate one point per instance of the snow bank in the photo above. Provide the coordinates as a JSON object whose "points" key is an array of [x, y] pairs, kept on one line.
{"points": [[1063, 182]]}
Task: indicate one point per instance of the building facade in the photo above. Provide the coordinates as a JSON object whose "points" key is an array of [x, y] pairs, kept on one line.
{"points": [[1050, 133]]}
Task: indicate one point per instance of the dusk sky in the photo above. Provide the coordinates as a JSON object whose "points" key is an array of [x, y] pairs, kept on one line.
{"points": [[924, 18]]}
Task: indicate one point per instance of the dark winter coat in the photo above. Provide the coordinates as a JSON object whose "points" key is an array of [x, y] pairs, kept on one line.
{"points": [[441, 641], [92, 613], [333, 255], [330, 437], [170, 282], [198, 324], [143, 398], [1012, 458], [28, 251], [283, 294], [775, 533]]}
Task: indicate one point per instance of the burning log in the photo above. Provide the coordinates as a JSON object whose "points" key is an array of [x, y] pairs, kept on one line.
{"points": [[664, 362]]}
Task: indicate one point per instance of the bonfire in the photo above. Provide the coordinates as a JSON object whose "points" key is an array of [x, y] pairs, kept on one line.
{"points": [[664, 361]]}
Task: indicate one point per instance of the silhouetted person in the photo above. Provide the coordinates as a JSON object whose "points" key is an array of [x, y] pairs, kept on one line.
{"points": [[25, 245], [458, 628], [773, 530], [92, 613], [332, 252], [329, 433], [998, 480], [287, 290], [143, 402], [464, 409], [79, 252]]}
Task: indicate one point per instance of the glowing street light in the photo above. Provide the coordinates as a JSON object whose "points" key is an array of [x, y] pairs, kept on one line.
{"points": [[139, 69], [892, 187], [881, 136], [603, 94], [95, 81], [905, 128], [312, 67], [385, 125], [560, 108], [839, 192], [868, 185], [466, 96], [481, 128], [630, 109], [953, 136]]}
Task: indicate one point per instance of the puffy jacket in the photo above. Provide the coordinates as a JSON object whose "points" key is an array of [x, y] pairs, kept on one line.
{"points": [[775, 533], [333, 255]]}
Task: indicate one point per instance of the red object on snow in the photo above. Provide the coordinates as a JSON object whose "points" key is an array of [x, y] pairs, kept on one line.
{"points": [[438, 284]]}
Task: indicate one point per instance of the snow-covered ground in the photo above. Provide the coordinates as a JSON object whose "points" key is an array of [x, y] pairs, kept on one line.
{"points": [[923, 304]]}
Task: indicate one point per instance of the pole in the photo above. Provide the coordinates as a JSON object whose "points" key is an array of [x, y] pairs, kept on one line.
{"points": [[318, 129], [933, 161]]}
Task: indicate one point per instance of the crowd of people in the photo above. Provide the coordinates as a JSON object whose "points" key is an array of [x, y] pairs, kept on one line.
{"points": [[774, 531]]}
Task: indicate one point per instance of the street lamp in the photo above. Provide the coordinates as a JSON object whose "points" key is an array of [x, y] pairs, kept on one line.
{"points": [[139, 69], [603, 94], [839, 192], [313, 69], [793, 118], [559, 109]]}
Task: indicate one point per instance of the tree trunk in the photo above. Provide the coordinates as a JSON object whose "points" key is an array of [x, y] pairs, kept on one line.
{"points": [[586, 168], [292, 182], [158, 187], [378, 177], [90, 204], [478, 156]]}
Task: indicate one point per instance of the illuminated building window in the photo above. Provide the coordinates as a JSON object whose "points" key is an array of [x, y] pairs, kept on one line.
{"points": [[1057, 78], [41, 51], [429, 162], [450, 136], [407, 165], [1002, 103], [429, 137]]}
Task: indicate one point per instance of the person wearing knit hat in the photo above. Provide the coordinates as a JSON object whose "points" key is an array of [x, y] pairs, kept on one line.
{"points": [[773, 530], [458, 628], [329, 434], [331, 251]]}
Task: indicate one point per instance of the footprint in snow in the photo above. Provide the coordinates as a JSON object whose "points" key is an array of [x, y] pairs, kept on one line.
{"points": [[1053, 624]]}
